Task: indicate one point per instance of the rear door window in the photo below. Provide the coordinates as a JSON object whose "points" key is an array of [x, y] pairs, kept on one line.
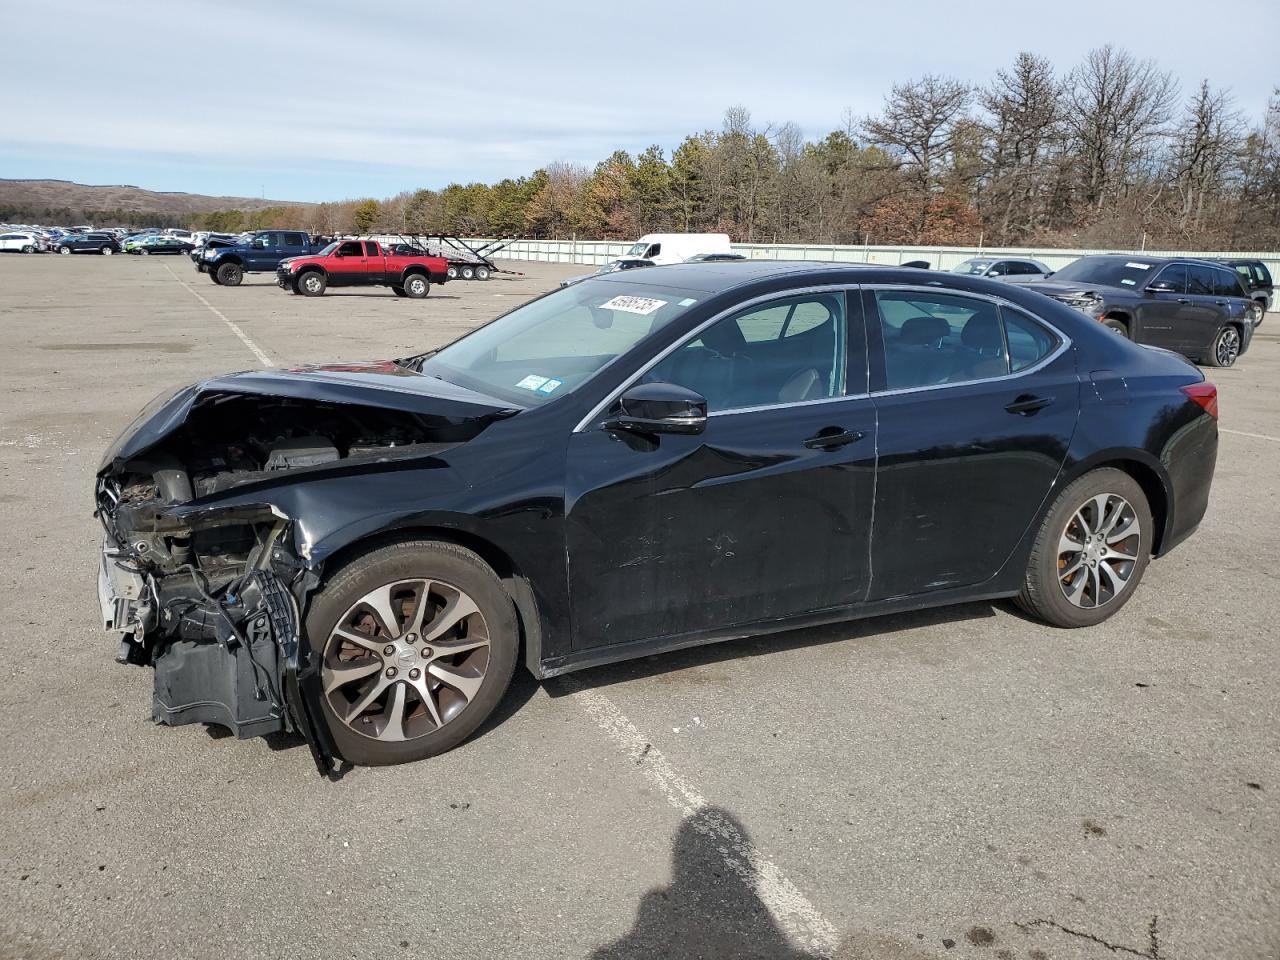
{"points": [[1200, 280], [1029, 342], [371, 249], [1226, 284]]}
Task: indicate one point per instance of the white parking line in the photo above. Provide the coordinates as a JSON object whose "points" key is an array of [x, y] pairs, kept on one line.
{"points": [[257, 351], [790, 909], [1256, 436]]}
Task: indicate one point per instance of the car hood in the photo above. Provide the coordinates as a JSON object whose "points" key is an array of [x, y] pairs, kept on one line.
{"points": [[1059, 288], [383, 383]]}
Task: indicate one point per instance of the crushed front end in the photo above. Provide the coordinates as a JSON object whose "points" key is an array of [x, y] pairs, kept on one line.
{"points": [[210, 599]]}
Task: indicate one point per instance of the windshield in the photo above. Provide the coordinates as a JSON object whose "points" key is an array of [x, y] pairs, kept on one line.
{"points": [[974, 268], [638, 249], [1108, 272], [329, 249], [553, 345]]}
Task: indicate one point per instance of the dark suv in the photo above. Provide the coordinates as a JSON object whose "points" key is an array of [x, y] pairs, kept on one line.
{"points": [[1194, 307], [103, 243], [1257, 281]]}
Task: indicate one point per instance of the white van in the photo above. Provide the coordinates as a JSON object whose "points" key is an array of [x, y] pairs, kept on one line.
{"points": [[678, 247]]}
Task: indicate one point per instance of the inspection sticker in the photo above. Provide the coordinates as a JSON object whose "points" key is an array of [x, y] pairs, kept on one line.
{"points": [[533, 382], [1139, 266], [641, 305], [550, 386]]}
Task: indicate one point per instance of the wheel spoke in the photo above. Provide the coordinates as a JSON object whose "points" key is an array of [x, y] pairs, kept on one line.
{"points": [[420, 608], [1115, 582], [348, 672], [381, 602], [372, 644], [461, 646], [1075, 589], [361, 705], [1095, 583], [465, 684], [1068, 544], [393, 725], [1123, 531], [1079, 562], [428, 699], [457, 609]]}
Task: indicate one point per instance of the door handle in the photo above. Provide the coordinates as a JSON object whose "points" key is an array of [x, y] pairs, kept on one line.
{"points": [[1026, 404], [832, 438], [1220, 303], [1183, 300]]}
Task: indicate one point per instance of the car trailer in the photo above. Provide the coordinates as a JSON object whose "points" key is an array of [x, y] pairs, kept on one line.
{"points": [[465, 261]]}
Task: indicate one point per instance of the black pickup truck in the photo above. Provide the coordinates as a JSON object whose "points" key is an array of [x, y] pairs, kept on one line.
{"points": [[260, 253]]}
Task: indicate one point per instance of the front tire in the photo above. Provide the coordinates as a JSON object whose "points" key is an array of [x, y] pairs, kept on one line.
{"points": [[28, 249], [1091, 551], [1117, 326], [107, 251], [417, 642], [65, 251], [1225, 349], [312, 284], [416, 286], [229, 274]]}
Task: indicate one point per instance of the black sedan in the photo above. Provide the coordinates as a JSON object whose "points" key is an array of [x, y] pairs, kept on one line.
{"points": [[103, 243], [637, 463]]}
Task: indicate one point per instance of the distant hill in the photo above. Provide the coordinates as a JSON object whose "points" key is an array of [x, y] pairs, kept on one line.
{"points": [[64, 194]]}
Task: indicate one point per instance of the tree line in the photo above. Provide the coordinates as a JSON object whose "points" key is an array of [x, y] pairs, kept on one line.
{"points": [[1108, 153]]}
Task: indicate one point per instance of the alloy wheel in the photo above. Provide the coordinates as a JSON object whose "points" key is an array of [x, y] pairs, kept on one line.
{"points": [[1098, 551], [1227, 348], [405, 659]]}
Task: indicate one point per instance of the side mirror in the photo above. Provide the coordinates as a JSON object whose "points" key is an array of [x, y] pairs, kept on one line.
{"points": [[1161, 286], [659, 408]]}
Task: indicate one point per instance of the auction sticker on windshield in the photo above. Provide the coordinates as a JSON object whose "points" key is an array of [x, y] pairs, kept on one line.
{"points": [[533, 382], [641, 305]]}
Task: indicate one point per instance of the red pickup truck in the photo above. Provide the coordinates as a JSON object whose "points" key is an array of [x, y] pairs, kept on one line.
{"points": [[406, 269]]}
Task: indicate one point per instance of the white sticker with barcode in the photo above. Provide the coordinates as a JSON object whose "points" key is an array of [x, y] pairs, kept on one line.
{"points": [[1138, 266], [532, 382], [641, 305]]}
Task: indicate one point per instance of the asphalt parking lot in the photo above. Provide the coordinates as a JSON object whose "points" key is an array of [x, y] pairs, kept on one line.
{"points": [[958, 783]]}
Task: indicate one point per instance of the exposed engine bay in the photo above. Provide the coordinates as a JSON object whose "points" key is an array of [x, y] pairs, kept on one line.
{"points": [[210, 594]]}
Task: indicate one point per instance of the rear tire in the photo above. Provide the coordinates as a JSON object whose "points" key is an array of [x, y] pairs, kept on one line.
{"points": [[1115, 551], [228, 274], [312, 284], [457, 574], [452, 272], [482, 273], [468, 273], [416, 286], [1225, 349]]}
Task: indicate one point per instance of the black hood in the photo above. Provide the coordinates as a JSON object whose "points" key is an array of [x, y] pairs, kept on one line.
{"points": [[385, 384], [1058, 288]]}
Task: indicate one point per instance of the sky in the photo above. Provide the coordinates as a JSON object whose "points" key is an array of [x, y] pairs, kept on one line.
{"points": [[326, 101]]}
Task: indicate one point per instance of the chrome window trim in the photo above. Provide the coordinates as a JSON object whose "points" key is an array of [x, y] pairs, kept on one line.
{"points": [[1064, 341], [613, 395]]}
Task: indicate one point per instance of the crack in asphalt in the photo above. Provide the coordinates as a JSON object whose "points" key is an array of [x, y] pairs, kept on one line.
{"points": [[1151, 953]]}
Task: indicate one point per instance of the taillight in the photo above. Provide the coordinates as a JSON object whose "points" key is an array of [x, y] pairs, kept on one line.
{"points": [[1205, 395]]}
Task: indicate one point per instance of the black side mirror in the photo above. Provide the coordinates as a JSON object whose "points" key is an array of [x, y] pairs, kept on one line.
{"points": [[659, 408], [1161, 286]]}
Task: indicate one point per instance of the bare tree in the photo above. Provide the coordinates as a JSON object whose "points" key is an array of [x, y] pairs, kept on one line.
{"points": [[917, 129], [1206, 148], [1117, 110], [1023, 127]]}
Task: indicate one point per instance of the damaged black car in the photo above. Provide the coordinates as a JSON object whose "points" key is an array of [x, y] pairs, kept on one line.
{"points": [[364, 553]]}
